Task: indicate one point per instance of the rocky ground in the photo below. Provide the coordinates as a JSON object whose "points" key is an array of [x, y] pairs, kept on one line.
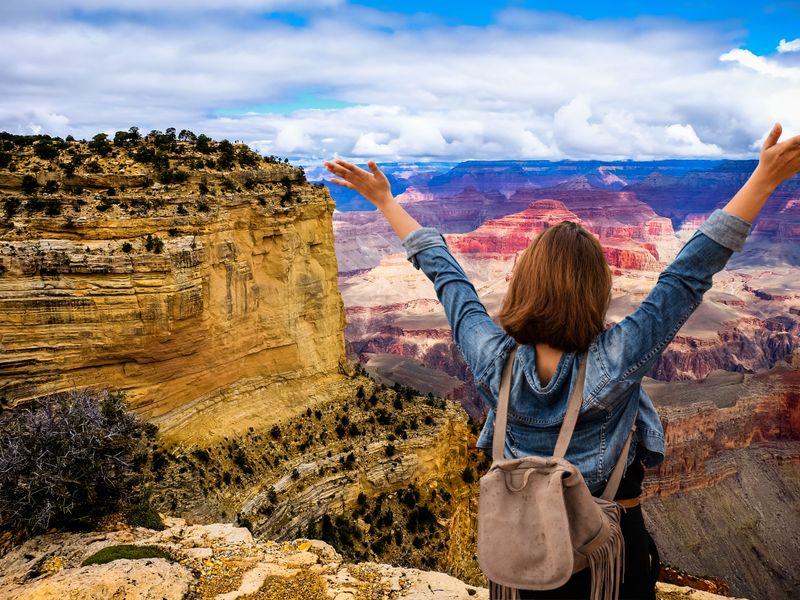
{"points": [[222, 562]]}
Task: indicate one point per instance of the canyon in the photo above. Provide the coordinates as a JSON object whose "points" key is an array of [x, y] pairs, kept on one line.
{"points": [[299, 367], [725, 387]]}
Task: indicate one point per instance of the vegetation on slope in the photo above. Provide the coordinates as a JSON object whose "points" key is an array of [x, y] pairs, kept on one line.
{"points": [[131, 173], [313, 476]]}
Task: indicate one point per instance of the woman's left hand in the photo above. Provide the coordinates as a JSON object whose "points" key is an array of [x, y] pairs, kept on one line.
{"points": [[373, 186]]}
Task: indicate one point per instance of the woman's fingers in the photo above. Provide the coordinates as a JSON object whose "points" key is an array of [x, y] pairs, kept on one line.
{"points": [[376, 171], [343, 183], [773, 136], [345, 165], [341, 172]]}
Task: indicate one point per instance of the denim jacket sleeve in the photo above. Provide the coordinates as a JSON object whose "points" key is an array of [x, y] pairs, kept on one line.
{"points": [[632, 346], [476, 335]]}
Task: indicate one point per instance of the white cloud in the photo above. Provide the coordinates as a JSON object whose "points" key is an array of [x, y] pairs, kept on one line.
{"points": [[792, 46], [761, 64], [617, 134], [527, 86]]}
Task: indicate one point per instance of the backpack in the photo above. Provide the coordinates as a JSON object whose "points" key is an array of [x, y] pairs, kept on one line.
{"points": [[538, 523]]}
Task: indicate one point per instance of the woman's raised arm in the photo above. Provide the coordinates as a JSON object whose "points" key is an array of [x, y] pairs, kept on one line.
{"points": [[632, 346], [777, 163], [479, 339]]}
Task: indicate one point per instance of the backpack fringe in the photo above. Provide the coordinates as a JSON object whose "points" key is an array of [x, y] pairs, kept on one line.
{"points": [[608, 561], [502, 592]]}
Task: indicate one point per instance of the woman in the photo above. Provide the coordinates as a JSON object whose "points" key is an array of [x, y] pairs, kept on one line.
{"points": [[555, 310]]}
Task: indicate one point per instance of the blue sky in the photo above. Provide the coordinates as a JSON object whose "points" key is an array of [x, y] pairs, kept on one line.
{"points": [[403, 81], [758, 22]]}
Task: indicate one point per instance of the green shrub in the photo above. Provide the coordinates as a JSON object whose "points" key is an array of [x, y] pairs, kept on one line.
{"points": [[203, 143], [153, 243], [468, 475], [52, 208], [142, 514], [29, 184], [390, 450], [45, 149], [127, 551], [126, 247], [145, 154], [11, 207], [187, 136], [100, 144], [173, 176], [50, 186], [202, 455]]}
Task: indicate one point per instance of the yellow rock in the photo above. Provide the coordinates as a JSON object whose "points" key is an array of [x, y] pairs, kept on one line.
{"points": [[237, 323]]}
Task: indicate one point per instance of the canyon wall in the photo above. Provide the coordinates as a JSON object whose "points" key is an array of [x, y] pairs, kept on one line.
{"points": [[212, 302], [726, 500]]}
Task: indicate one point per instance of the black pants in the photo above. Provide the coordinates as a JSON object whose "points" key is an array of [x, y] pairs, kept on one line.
{"points": [[641, 567]]}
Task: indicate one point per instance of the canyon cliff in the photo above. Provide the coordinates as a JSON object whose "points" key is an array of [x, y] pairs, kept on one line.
{"points": [[208, 295]]}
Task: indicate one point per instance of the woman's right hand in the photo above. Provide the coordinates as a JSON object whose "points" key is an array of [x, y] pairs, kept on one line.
{"points": [[373, 186], [778, 161]]}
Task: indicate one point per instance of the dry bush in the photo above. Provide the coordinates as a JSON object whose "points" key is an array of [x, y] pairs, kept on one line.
{"points": [[69, 457]]}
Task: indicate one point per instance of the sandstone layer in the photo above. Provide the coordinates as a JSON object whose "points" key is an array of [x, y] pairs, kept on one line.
{"points": [[212, 303]]}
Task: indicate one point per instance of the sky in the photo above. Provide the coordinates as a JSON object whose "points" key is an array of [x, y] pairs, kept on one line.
{"points": [[311, 80]]}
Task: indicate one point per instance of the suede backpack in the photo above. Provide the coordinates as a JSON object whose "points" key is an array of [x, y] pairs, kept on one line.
{"points": [[538, 523]]}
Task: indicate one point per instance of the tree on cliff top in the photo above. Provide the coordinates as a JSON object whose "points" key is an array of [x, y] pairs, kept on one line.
{"points": [[68, 457]]}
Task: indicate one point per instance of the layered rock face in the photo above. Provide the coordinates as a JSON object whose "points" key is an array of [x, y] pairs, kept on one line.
{"points": [[212, 302], [731, 478]]}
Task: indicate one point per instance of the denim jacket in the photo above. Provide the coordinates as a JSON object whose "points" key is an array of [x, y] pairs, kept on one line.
{"points": [[618, 358]]}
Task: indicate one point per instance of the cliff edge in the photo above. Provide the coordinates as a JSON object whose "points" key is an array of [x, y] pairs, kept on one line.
{"points": [[197, 276]]}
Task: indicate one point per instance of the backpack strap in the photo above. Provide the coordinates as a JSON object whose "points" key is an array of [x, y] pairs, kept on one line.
{"points": [[573, 409], [501, 418], [616, 475]]}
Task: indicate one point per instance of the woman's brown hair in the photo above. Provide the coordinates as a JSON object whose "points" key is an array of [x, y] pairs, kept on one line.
{"points": [[560, 290]]}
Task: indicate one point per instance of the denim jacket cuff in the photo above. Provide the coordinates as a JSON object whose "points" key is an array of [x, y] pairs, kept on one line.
{"points": [[421, 239], [726, 229]]}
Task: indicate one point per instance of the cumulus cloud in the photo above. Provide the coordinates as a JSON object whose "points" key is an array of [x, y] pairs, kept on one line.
{"points": [[617, 134], [792, 46], [531, 87], [761, 64]]}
